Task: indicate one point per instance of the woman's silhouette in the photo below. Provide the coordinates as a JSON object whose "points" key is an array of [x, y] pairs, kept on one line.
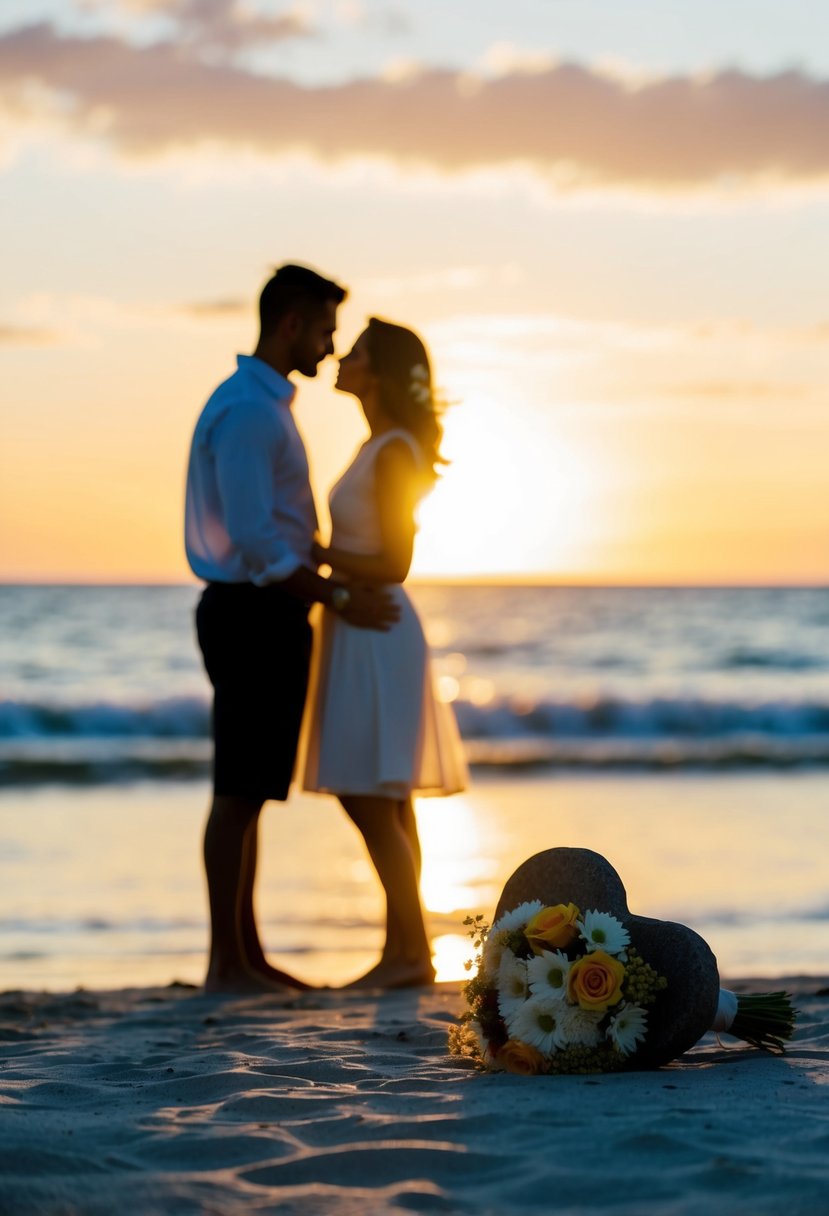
{"points": [[376, 730]]}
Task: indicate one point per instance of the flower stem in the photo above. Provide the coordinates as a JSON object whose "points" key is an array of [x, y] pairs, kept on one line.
{"points": [[765, 1020]]}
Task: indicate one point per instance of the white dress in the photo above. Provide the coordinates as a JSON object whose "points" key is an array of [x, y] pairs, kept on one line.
{"points": [[373, 723]]}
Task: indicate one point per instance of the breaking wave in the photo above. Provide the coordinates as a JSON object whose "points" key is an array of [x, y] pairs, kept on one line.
{"points": [[169, 739]]}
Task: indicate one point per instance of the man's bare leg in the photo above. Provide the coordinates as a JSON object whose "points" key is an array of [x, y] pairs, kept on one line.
{"points": [[251, 942], [228, 823]]}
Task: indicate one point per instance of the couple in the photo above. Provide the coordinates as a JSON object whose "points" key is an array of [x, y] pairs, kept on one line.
{"points": [[373, 730]]}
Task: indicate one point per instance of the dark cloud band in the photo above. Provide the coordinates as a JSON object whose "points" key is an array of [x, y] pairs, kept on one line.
{"points": [[576, 124]]}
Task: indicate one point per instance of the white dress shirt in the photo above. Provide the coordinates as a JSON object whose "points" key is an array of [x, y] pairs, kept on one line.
{"points": [[249, 513]]}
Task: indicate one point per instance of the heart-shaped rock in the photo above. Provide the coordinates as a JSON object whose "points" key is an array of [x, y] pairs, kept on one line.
{"points": [[684, 1011]]}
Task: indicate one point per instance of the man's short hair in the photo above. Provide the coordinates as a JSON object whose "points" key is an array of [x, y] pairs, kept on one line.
{"points": [[296, 289]]}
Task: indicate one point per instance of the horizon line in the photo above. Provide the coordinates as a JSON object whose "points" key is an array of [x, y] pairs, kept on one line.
{"points": [[474, 580]]}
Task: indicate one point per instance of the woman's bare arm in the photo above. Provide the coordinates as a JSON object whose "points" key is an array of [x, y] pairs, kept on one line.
{"points": [[395, 484]]}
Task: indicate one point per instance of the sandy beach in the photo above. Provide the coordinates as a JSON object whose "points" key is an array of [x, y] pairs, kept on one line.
{"points": [[132, 1094], [165, 1100]]}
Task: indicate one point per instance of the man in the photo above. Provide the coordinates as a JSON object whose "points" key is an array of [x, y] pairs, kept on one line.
{"points": [[249, 528]]}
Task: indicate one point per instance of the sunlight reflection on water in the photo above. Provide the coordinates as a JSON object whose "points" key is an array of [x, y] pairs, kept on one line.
{"points": [[449, 954], [103, 886]]}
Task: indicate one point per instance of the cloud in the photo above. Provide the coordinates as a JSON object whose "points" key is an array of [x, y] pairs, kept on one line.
{"points": [[216, 25], [216, 310], [27, 335], [230, 25], [84, 321], [725, 390], [578, 126]]}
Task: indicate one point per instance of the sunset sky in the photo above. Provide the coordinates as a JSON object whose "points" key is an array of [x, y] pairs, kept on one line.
{"points": [[608, 218]]}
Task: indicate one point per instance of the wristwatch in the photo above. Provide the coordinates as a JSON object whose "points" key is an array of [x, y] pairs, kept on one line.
{"points": [[340, 599]]}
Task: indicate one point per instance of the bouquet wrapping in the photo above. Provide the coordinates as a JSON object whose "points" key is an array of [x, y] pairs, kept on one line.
{"points": [[579, 984]]}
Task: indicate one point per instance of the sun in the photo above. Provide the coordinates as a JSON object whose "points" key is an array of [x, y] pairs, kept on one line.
{"points": [[514, 500]]}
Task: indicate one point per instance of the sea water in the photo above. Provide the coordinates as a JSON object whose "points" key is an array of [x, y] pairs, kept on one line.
{"points": [[106, 683], [682, 732]]}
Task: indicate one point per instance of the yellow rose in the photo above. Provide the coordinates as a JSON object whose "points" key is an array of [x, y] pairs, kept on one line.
{"points": [[595, 981], [553, 928], [519, 1058]]}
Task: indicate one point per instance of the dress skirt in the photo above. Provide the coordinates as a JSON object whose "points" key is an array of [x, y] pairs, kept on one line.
{"points": [[374, 724]]}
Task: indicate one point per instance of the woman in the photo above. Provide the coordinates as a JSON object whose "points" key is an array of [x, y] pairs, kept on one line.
{"points": [[377, 732]]}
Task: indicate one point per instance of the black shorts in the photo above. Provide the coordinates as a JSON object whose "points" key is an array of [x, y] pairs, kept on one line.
{"points": [[256, 644]]}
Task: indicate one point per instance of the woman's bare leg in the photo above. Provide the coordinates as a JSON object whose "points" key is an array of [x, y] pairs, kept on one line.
{"points": [[408, 822], [406, 961]]}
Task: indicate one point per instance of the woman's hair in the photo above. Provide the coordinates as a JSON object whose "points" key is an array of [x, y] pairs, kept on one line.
{"points": [[400, 362]]}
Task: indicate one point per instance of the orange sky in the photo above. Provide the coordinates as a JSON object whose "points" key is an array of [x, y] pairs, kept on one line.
{"points": [[614, 250]]}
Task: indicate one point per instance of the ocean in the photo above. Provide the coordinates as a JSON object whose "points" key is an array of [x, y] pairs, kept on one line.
{"points": [[684, 731], [102, 684]]}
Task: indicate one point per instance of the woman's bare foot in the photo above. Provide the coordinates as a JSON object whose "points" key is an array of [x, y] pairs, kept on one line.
{"points": [[397, 973]]}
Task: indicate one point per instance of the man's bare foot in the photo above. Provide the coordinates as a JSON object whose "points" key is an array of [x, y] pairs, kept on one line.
{"points": [[241, 981], [397, 973], [277, 976]]}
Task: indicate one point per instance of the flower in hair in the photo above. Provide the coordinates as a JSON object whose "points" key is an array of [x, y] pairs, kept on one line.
{"points": [[419, 385]]}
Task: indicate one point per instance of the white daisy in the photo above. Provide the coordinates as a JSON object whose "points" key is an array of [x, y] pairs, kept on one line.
{"points": [[547, 974], [580, 1027], [538, 1022], [493, 950], [513, 986], [520, 916], [604, 932], [496, 939], [627, 1028]]}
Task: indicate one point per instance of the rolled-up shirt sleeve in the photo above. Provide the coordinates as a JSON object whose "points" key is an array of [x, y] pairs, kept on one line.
{"points": [[247, 451]]}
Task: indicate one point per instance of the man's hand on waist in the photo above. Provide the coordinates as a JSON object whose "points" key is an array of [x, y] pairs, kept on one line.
{"points": [[366, 606]]}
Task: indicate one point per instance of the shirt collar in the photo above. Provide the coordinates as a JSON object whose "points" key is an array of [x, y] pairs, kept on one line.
{"points": [[272, 381]]}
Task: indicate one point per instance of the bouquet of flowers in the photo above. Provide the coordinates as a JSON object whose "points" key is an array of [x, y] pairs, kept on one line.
{"points": [[558, 991]]}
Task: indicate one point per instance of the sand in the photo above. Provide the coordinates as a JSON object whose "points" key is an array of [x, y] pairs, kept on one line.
{"points": [[164, 1100]]}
